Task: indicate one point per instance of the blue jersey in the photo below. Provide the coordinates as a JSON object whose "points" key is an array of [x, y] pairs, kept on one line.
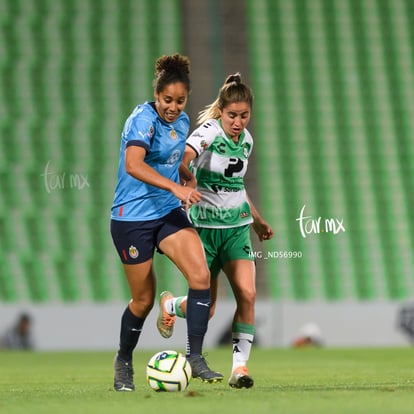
{"points": [[164, 143]]}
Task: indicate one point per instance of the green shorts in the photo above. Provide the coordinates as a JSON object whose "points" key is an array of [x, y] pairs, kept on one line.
{"points": [[223, 245]]}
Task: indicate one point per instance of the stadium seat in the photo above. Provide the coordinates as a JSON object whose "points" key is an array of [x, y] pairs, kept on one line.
{"points": [[71, 73], [330, 80]]}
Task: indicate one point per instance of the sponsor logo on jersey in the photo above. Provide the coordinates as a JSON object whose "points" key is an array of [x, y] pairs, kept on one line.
{"points": [[133, 252], [173, 158], [221, 188]]}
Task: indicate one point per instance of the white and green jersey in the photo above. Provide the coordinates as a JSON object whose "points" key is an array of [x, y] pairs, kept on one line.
{"points": [[220, 167]]}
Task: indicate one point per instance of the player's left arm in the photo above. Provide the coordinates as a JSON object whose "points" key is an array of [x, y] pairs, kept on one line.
{"points": [[260, 225]]}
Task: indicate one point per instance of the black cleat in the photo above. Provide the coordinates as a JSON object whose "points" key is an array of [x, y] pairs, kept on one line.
{"points": [[201, 370], [124, 375]]}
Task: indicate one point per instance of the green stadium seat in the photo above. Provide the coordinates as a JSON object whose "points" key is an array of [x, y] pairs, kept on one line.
{"points": [[71, 72], [334, 98], [330, 83]]}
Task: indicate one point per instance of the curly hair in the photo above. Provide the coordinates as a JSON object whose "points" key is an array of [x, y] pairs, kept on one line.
{"points": [[171, 69]]}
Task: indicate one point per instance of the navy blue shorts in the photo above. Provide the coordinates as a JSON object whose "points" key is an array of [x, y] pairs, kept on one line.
{"points": [[136, 241]]}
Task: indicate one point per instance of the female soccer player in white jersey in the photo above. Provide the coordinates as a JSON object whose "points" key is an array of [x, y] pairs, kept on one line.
{"points": [[147, 215], [218, 152]]}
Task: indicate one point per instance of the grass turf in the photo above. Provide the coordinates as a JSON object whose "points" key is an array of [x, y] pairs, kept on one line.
{"points": [[287, 381]]}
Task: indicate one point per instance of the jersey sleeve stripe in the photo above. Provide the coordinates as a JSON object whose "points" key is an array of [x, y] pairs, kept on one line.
{"points": [[195, 150], [138, 143]]}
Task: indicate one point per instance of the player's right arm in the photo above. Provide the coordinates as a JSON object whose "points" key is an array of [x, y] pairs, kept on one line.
{"points": [[136, 166]]}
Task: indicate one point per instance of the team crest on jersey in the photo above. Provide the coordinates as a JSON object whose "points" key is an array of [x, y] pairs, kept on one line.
{"points": [[246, 149], [173, 134], [133, 252], [203, 144]]}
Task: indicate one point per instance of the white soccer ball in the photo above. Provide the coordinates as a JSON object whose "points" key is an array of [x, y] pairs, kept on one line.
{"points": [[168, 371]]}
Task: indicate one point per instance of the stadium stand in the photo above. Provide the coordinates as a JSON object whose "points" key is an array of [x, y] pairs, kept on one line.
{"points": [[71, 72], [333, 82]]}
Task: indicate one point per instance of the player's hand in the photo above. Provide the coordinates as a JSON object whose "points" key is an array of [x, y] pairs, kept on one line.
{"points": [[262, 229], [187, 195]]}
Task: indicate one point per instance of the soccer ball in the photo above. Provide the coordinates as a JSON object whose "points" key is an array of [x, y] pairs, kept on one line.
{"points": [[168, 371]]}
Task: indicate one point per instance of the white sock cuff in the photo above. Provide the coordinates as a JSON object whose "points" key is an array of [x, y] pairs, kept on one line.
{"points": [[242, 335], [169, 306]]}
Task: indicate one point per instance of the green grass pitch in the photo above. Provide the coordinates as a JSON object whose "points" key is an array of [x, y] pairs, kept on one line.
{"points": [[287, 381]]}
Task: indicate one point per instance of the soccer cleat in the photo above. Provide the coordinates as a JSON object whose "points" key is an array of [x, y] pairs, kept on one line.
{"points": [[201, 370], [240, 378], [124, 375], [165, 321]]}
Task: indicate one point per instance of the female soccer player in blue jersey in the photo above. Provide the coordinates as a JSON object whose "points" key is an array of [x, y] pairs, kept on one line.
{"points": [[147, 215], [219, 150]]}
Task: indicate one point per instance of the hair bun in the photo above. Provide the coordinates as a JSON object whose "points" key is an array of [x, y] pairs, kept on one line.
{"points": [[235, 77], [173, 63], [170, 69]]}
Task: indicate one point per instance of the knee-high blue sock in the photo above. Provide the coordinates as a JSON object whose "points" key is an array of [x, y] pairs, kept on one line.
{"points": [[197, 314], [131, 327]]}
